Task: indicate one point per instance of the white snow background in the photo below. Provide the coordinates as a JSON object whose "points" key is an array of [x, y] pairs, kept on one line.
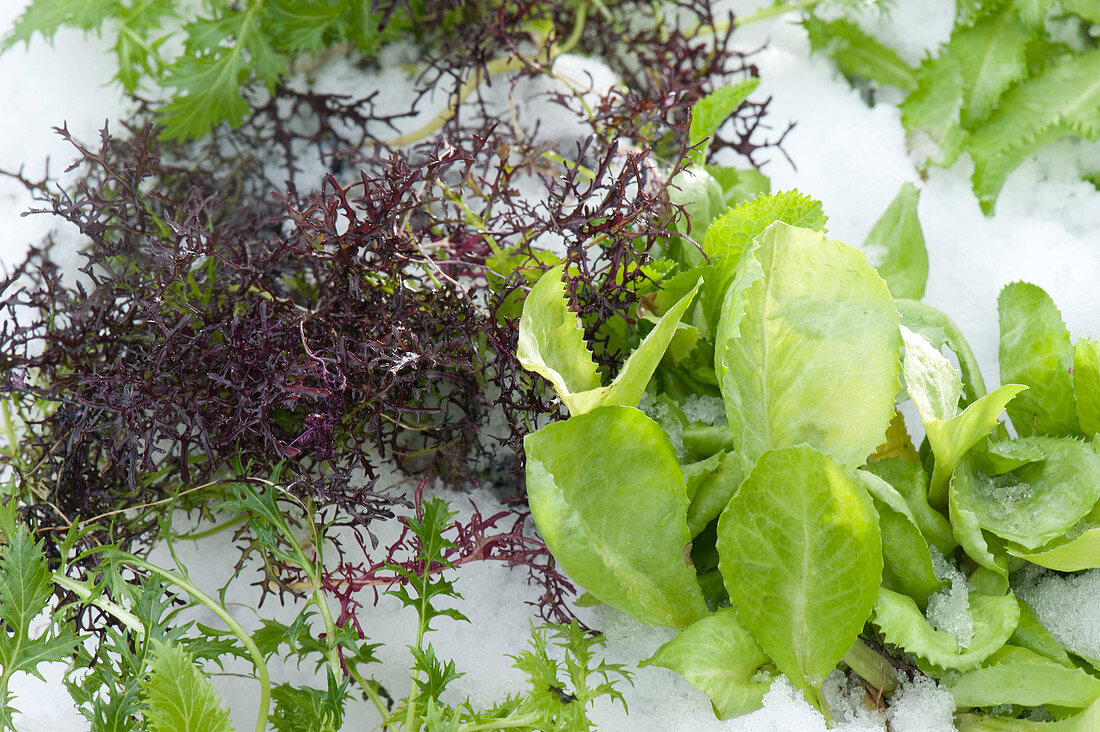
{"points": [[851, 156]]}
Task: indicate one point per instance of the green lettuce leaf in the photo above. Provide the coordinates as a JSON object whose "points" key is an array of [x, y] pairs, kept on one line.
{"points": [[1018, 676], [801, 557], [904, 625], [896, 244], [177, 697], [1086, 385], [711, 112], [719, 657], [1035, 350], [584, 476], [816, 320]]}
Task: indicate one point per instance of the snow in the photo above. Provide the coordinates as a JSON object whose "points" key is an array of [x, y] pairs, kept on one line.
{"points": [[949, 609], [851, 156]]}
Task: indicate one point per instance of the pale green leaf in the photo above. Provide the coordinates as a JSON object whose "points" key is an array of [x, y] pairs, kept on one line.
{"points": [[719, 657], [1086, 385], [702, 199], [858, 53], [907, 561], [714, 492], [952, 439], [584, 477], [627, 388], [1037, 502], [551, 339], [1035, 350], [910, 480], [177, 697], [934, 385], [732, 232], [895, 246], [1019, 676], [1079, 553], [739, 184], [941, 331], [710, 112], [801, 558], [1086, 721], [818, 320], [904, 625]]}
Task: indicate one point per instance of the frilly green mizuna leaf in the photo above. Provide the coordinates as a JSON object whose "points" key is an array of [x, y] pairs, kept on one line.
{"points": [[817, 320], [608, 496], [719, 657], [801, 557]]}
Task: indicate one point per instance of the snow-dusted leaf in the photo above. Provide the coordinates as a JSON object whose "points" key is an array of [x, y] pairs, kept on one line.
{"points": [[801, 558], [608, 496], [817, 320], [992, 55], [1035, 350], [904, 625], [932, 113], [1038, 502], [721, 658]]}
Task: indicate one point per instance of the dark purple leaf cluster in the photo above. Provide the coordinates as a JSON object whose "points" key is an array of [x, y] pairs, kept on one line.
{"points": [[296, 296]]}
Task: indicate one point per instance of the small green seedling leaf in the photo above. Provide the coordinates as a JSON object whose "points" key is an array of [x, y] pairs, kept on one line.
{"points": [[896, 248], [816, 320], [904, 625], [178, 697], [801, 558], [584, 477], [719, 657], [1035, 350], [711, 112], [1019, 676]]}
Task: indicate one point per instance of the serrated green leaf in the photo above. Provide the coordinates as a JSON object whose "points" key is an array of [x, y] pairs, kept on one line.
{"points": [[178, 698], [1019, 676], [551, 339], [992, 55], [932, 113], [858, 53], [895, 246], [817, 320], [710, 112], [1035, 350], [801, 558], [903, 625], [719, 657], [583, 476], [1037, 502], [1063, 99], [732, 232], [1086, 385]]}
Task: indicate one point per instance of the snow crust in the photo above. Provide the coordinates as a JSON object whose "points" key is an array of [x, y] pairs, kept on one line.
{"points": [[851, 156]]}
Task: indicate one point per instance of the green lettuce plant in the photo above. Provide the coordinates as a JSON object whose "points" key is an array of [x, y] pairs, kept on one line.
{"points": [[755, 487]]}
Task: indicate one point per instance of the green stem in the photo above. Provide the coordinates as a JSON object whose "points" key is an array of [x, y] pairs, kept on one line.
{"points": [[85, 593], [235, 521], [871, 667], [235, 627], [772, 11], [578, 29], [525, 721]]}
